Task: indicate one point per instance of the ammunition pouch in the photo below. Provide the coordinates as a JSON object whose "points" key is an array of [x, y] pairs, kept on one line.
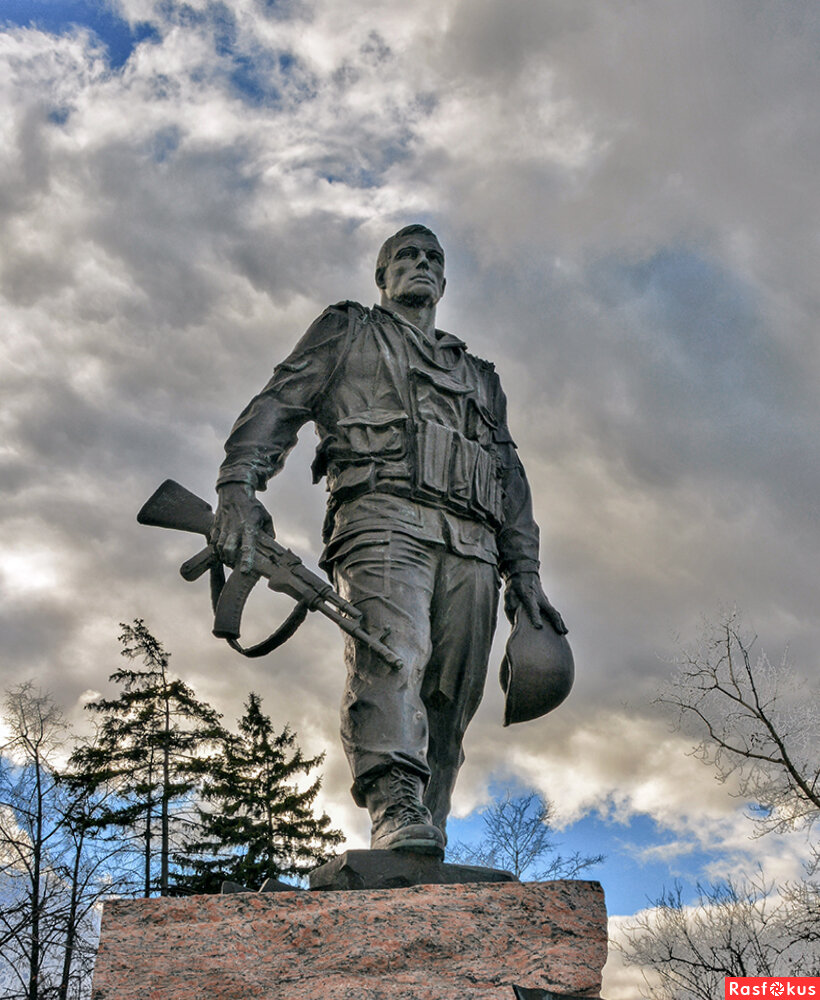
{"points": [[457, 473], [430, 463]]}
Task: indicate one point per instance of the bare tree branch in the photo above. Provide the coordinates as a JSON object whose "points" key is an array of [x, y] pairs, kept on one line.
{"points": [[757, 724], [518, 837]]}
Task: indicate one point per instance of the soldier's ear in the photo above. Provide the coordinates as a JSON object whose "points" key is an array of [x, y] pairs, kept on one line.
{"points": [[380, 277]]}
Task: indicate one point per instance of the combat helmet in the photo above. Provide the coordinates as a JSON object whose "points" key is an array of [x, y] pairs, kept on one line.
{"points": [[537, 670]]}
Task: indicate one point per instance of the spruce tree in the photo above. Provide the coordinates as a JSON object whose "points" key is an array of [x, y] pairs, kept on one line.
{"points": [[255, 822], [148, 750]]}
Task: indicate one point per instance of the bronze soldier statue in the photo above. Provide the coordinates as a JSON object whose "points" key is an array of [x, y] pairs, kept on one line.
{"points": [[428, 505]]}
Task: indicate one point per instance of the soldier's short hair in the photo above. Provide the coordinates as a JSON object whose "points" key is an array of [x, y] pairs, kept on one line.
{"points": [[387, 247]]}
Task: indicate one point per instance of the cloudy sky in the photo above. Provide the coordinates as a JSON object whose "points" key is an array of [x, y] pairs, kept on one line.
{"points": [[627, 195]]}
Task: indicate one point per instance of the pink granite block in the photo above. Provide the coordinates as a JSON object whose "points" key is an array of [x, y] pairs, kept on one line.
{"points": [[430, 942]]}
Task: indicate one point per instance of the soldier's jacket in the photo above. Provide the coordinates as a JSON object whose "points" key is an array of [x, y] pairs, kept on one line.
{"points": [[397, 416]]}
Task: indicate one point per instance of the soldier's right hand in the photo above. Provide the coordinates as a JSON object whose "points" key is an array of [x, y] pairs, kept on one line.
{"points": [[238, 520]]}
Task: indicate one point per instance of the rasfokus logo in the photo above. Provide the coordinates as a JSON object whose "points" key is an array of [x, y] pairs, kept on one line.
{"points": [[771, 986]]}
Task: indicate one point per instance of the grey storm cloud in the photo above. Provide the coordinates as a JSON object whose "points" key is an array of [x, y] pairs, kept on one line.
{"points": [[626, 196]]}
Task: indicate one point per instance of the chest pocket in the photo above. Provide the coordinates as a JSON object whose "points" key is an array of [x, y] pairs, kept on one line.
{"points": [[481, 426], [438, 396], [375, 435]]}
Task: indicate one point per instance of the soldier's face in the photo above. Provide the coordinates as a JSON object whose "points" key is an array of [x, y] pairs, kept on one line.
{"points": [[415, 273]]}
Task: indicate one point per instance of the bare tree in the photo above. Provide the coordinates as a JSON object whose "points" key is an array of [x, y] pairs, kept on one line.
{"points": [[757, 724], [28, 788], [756, 721], [732, 929], [518, 837], [52, 873]]}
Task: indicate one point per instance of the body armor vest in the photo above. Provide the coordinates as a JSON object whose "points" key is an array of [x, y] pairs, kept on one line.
{"points": [[411, 418]]}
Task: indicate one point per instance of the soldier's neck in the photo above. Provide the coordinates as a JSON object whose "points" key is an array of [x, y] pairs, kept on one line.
{"points": [[422, 316]]}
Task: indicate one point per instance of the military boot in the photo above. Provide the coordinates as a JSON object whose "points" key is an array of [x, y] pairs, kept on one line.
{"points": [[400, 822]]}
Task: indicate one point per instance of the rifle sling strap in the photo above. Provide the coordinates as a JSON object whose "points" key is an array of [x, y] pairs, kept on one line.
{"points": [[275, 639]]}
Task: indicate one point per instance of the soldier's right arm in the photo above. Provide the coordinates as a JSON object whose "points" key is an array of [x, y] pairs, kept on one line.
{"points": [[266, 431]]}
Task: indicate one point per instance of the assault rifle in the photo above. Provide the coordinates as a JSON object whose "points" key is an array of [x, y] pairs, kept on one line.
{"points": [[172, 506]]}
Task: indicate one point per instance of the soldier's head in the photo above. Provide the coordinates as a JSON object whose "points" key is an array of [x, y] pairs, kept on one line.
{"points": [[410, 267]]}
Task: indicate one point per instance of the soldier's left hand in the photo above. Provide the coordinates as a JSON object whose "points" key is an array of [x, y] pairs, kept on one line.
{"points": [[524, 591]]}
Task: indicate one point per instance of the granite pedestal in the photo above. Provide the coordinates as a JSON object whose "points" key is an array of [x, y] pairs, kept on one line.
{"points": [[473, 941]]}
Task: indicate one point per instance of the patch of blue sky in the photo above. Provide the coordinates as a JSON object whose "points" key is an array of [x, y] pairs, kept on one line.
{"points": [[165, 143], [224, 25], [251, 79], [59, 17], [254, 74], [363, 168], [697, 300], [641, 858], [58, 116], [715, 327], [700, 298], [181, 14], [280, 10], [712, 324], [355, 177]]}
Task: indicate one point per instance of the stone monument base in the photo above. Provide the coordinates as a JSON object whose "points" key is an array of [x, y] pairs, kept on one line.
{"points": [[429, 942]]}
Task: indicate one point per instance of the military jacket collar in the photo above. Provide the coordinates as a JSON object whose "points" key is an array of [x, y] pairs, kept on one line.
{"points": [[443, 339]]}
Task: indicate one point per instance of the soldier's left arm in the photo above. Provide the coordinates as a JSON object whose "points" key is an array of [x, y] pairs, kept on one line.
{"points": [[518, 537]]}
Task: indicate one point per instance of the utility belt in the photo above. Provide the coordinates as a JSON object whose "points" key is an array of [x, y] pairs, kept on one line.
{"points": [[443, 469]]}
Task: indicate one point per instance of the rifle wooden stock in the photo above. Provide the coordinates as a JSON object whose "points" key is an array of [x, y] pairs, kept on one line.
{"points": [[172, 506]]}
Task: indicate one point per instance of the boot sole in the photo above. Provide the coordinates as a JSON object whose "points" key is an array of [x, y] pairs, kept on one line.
{"points": [[418, 847], [419, 841]]}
